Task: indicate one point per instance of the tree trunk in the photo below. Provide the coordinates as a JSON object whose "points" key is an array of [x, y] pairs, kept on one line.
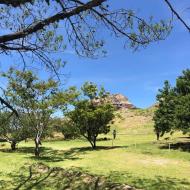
{"points": [[37, 147], [94, 143], [158, 136], [91, 143], [94, 146], [13, 145]]}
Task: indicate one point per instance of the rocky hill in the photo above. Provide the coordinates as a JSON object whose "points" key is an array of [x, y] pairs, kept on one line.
{"points": [[121, 102]]}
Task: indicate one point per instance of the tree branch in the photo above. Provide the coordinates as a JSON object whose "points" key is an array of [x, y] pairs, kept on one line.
{"points": [[177, 15], [15, 3], [41, 24], [22, 48], [8, 106]]}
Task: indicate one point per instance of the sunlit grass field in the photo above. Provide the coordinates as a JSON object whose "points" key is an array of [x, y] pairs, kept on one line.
{"points": [[134, 157]]}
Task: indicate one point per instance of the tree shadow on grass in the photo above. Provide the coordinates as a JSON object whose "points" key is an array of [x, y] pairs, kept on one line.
{"points": [[51, 155], [182, 146], [46, 154], [39, 176], [98, 148], [104, 139], [157, 183]]}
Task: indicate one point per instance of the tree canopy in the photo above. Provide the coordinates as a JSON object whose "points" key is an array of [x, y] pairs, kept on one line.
{"points": [[13, 129], [174, 106], [35, 100], [92, 113], [164, 115], [35, 26]]}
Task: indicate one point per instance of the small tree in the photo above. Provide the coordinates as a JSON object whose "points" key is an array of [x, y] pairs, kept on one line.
{"points": [[12, 129], [164, 115], [35, 99], [64, 126], [92, 113]]}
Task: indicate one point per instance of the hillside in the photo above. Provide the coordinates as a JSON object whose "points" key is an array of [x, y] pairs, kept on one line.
{"points": [[135, 118]]}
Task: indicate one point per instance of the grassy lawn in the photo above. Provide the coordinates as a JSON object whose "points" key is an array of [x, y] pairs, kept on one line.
{"points": [[135, 158]]}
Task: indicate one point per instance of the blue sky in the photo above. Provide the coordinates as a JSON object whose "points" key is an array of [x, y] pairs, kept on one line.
{"points": [[137, 75]]}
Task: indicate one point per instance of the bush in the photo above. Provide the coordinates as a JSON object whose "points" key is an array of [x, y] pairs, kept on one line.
{"points": [[69, 131]]}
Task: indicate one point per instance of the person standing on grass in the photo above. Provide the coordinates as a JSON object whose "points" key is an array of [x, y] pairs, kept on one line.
{"points": [[114, 134]]}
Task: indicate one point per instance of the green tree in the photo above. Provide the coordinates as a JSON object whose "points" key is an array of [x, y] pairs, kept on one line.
{"points": [[92, 113], [173, 112], [35, 99], [12, 129], [182, 112], [183, 83], [65, 127], [164, 115]]}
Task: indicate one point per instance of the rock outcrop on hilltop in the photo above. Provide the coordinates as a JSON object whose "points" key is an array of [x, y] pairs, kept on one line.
{"points": [[121, 102]]}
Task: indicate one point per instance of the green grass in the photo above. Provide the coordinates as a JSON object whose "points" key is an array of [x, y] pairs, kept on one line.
{"points": [[135, 159]]}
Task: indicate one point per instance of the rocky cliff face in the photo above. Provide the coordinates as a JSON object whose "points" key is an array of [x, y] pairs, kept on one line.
{"points": [[121, 102]]}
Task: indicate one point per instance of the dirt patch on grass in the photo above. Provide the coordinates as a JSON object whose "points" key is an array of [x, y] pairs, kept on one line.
{"points": [[157, 161]]}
